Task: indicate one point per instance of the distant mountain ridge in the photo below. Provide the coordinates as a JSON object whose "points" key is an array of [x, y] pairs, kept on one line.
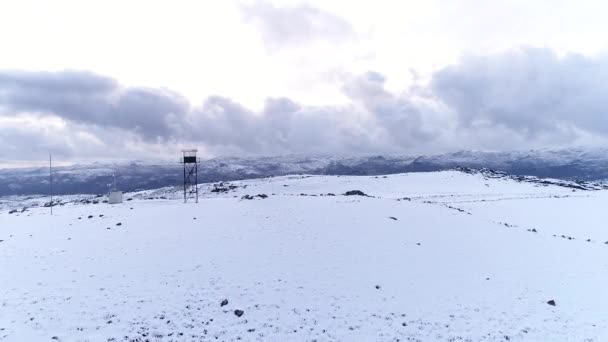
{"points": [[565, 164]]}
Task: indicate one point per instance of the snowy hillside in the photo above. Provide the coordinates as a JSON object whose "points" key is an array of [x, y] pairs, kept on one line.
{"points": [[439, 256]]}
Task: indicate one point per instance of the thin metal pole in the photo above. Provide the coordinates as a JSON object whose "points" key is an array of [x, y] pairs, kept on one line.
{"points": [[196, 177], [51, 181]]}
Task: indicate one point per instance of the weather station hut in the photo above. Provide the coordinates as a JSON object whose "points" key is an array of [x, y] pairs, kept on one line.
{"points": [[115, 195]]}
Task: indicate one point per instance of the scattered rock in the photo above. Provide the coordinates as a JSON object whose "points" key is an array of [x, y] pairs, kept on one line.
{"points": [[119, 224], [221, 188], [392, 218], [239, 313], [90, 216], [355, 193], [377, 287], [551, 302], [249, 197], [224, 302], [13, 211]]}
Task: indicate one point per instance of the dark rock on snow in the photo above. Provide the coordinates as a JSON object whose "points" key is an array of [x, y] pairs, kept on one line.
{"points": [[355, 193]]}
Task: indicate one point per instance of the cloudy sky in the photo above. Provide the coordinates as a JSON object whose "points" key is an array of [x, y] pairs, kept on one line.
{"points": [[114, 79]]}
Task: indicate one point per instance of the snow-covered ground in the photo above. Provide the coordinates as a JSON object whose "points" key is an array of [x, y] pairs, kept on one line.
{"points": [[443, 256]]}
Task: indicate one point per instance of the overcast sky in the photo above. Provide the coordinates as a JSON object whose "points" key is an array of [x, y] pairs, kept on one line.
{"points": [[114, 79]]}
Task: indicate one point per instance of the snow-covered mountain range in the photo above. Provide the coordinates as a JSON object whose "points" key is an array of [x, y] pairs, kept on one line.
{"points": [[569, 164]]}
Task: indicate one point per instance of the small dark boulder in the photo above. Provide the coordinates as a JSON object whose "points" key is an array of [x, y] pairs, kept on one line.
{"points": [[224, 302], [393, 218], [90, 216], [551, 302], [354, 193], [119, 224], [239, 313]]}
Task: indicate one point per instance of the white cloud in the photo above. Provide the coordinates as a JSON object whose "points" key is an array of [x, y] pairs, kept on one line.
{"points": [[527, 97], [274, 76]]}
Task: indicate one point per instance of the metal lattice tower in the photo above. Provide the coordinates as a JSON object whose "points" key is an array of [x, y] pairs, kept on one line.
{"points": [[190, 162]]}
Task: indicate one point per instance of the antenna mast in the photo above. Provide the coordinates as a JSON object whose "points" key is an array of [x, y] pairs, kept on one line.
{"points": [[51, 181]]}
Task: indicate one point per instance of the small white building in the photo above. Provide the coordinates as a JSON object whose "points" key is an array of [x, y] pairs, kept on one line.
{"points": [[115, 197]]}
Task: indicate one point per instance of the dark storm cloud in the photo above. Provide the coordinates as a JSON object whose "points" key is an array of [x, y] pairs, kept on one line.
{"points": [[398, 115], [295, 25], [101, 106], [530, 91], [20, 142], [282, 126], [523, 98], [87, 98]]}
